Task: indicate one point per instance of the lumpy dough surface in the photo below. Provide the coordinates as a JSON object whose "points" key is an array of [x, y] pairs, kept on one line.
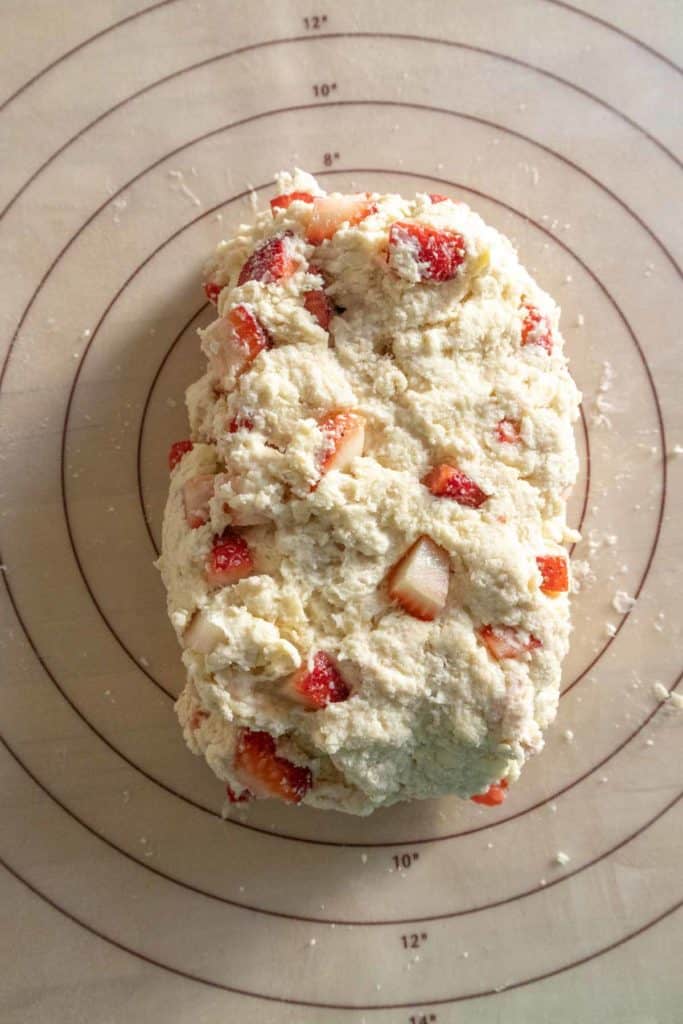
{"points": [[363, 544]]}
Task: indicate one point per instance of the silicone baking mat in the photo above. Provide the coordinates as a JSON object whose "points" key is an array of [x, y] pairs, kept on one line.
{"points": [[134, 137]]}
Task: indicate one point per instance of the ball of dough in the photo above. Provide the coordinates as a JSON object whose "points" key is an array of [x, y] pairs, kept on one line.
{"points": [[362, 545]]}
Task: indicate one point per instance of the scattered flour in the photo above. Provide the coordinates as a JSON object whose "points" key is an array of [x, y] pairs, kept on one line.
{"points": [[179, 185], [622, 602], [660, 691], [582, 576], [599, 417]]}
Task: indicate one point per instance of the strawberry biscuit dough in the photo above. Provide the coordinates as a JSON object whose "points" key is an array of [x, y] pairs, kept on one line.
{"points": [[363, 541]]}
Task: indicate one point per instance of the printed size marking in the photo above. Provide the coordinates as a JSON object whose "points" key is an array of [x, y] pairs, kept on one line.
{"points": [[405, 860], [324, 89], [315, 22], [414, 940], [329, 158], [423, 1018]]}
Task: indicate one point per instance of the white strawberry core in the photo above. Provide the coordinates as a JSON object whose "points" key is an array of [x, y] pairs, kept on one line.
{"points": [[292, 687], [421, 578], [197, 493], [202, 635], [348, 447], [330, 212], [227, 355]]}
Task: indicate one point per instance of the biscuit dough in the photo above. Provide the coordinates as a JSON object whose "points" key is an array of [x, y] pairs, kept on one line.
{"points": [[435, 406]]}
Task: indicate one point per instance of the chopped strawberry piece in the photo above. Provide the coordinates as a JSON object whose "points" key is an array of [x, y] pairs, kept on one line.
{"points": [[176, 452], [344, 434], [198, 716], [437, 254], [238, 798], [318, 686], [212, 291], [230, 560], [508, 431], [273, 260], [282, 202], [493, 796], [536, 329], [436, 197], [264, 773], [319, 306], [246, 516], [232, 342], [251, 334], [330, 212], [553, 569], [319, 272], [240, 422], [419, 580], [447, 482], [197, 493], [506, 642]]}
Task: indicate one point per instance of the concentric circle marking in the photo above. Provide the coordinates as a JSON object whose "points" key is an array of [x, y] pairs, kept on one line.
{"points": [[420, 919], [298, 839], [540, 227], [343, 1006], [318, 106], [163, 3], [412, 1003], [450, 184], [619, 31], [405, 37], [81, 46], [354, 170]]}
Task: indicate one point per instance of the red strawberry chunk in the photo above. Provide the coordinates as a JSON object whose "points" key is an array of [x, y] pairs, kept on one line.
{"points": [[330, 212], [197, 493], [320, 307], [506, 641], [508, 431], [198, 715], [230, 560], [232, 342], [418, 583], [240, 422], [536, 329], [264, 773], [553, 569], [318, 686], [282, 202], [176, 452], [436, 197], [447, 482], [437, 255], [344, 434], [251, 334], [493, 796], [212, 290], [238, 798], [273, 260]]}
